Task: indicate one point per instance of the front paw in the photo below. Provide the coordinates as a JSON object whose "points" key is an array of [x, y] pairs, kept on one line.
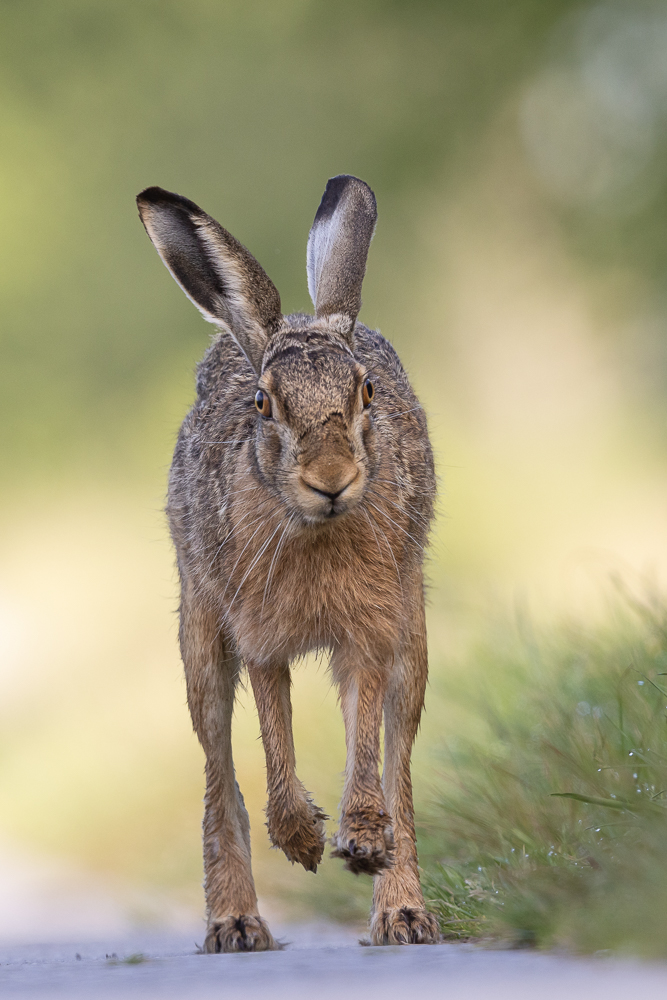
{"points": [[404, 925], [298, 832], [244, 933], [365, 841]]}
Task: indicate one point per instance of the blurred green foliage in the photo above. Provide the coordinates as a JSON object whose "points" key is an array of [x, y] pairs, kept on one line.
{"points": [[246, 108], [549, 825]]}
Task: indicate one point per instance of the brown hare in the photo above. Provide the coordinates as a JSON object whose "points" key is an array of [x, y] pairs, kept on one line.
{"points": [[300, 498]]}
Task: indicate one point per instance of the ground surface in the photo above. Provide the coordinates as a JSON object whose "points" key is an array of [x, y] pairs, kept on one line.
{"points": [[322, 962], [51, 913]]}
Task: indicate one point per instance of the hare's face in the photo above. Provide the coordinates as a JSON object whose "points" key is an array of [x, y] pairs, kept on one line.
{"points": [[315, 438]]}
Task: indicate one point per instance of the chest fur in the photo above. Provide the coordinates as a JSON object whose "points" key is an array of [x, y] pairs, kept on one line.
{"points": [[282, 591]]}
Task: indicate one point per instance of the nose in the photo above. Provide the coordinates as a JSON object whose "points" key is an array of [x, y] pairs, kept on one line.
{"points": [[318, 487], [323, 493]]}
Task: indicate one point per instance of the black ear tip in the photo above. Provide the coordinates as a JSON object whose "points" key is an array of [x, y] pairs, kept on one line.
{"points": [[338, 183], [153, 195], [160, 197], [335, 190]]}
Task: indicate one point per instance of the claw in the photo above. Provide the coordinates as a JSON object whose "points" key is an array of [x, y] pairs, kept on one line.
{"points": [[404, 925], [300, 836], [247, 932], [369, 851]]}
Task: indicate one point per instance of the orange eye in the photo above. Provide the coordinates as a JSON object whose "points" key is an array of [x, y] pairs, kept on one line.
{"points": [[263, 403], [367, 393]]}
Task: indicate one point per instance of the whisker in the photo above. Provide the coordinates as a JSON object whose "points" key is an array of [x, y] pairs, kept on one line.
{"points": [[393, 558], [261, 520], [226, 611], [240, 441], [232, 533], [398, 413], [403, 510], [396, 525], [412, 515], [368, 518], [391, 553], [275, 555], [252, 566], [406, 487], [246, 489]]}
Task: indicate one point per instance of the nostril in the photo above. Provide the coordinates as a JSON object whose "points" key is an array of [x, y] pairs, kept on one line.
{"points": [[323, 493], [329, 494]]}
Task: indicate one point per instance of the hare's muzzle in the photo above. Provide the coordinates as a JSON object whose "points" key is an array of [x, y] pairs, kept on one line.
{"points": [[329, 489]]}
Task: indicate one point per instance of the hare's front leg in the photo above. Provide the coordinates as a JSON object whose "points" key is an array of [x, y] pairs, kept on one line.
{"points": [[294, 822], [364, 837], [211, 672], [399, 915]]}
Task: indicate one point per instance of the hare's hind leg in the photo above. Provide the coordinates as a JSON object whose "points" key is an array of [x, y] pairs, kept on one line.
{"points": [[294, 822], [399, 915], [211, 671]]}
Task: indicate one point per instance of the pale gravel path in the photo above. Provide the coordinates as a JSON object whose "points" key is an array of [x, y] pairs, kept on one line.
{"points": [[320, 962]]}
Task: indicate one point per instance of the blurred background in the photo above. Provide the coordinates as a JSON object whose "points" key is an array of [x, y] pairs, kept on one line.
{"points": [[518, 154]]}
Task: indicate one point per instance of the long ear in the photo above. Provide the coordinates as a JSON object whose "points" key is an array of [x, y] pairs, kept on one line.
{"points": [[337, 250], [219, 275]]}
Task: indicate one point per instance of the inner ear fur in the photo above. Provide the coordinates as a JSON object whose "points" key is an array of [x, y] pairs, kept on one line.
{"points": [[338, 249], [214, 270]]}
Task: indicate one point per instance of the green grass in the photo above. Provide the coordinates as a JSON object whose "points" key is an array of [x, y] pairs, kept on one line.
{"points": [[548, 826]]}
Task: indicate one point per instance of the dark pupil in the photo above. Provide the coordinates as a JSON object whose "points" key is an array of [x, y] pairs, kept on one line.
{"points": [[369, 389], [259, 399]]}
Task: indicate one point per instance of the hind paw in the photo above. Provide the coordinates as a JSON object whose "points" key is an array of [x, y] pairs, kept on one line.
{"points": [[404, 925], [244, 933]]}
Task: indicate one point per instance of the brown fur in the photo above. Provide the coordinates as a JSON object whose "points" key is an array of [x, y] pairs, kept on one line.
{"points": [[300, 532]]}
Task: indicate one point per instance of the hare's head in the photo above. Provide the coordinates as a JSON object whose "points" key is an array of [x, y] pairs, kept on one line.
{"points": [[315, 441]]}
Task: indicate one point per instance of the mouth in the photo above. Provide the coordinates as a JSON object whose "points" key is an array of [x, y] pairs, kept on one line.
{"points": [[323, 516], [320, 507]]}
